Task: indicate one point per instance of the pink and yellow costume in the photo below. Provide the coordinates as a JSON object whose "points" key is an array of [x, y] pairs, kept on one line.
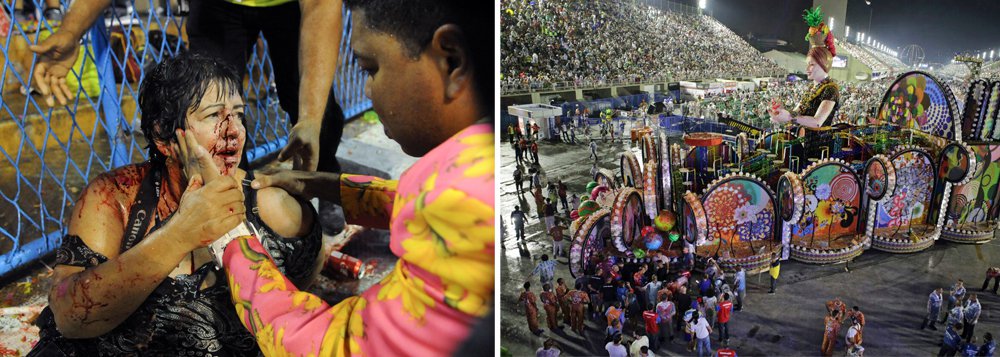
{"points": [[440, 217]]}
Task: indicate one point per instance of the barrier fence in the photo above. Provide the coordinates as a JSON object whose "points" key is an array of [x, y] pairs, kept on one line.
{"points": [[47, 155]]}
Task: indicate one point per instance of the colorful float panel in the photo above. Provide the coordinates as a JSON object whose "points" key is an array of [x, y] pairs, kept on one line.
{"points": [[830, 218], [627, 219], [975, 201], [917, 100], [975, 109], [741, 215], [630, 171], [909, 204], [590, 241]]}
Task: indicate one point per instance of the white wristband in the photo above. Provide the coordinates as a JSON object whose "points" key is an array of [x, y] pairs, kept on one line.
{"points": [[218, 247]]}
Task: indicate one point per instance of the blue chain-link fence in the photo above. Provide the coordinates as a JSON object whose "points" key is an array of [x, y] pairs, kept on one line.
{"points": [[47, 155]]}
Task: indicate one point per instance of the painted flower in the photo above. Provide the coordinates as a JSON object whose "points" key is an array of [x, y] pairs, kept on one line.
{"points": [[824, 213], [743, 214], [811, 203], [917, 210], [823, 191], [838, 207]]}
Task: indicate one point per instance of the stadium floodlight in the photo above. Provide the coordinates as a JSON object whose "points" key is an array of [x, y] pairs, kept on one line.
{"points": [[702, 4], [984, 54], [831, 23], [847, 31], [991, 54]]}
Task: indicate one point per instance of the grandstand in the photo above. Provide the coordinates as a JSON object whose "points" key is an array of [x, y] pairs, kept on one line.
{"points": [[570, 44], [863, 55]]}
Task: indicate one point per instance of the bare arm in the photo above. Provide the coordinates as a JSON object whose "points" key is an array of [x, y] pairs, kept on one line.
{"points": [[93, 301], [59, 52], [319, 51], [90, 302]]}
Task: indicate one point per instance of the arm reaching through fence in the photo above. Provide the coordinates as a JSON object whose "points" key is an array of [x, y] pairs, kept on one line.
{"points": [[58, 53]]}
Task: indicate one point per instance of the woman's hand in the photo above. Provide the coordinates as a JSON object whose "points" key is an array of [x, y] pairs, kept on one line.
{"points": [[212, 204], [781, 116]]}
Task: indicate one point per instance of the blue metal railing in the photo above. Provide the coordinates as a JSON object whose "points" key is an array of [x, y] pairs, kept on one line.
{"points": [[48, 155]]}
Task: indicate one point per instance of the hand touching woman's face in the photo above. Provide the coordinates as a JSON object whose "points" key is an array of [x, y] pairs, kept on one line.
{"points": [[217, 125]]}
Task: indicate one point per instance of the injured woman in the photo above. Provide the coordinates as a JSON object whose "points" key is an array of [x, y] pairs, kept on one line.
{"points": [[134, 275]]}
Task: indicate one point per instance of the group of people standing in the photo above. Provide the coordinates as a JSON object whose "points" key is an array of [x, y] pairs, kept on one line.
{"points": [[961, 315], [837, 315]]}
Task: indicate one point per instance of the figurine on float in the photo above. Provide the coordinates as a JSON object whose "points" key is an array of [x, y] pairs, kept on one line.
{"points": [[823, 99]]}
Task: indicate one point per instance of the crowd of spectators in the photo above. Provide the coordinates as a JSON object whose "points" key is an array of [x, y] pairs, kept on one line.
{"points": [[857, 101], [581, 43], [863, 55]]}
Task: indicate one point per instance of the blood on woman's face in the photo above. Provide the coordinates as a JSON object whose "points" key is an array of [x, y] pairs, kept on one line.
{"points": [[217, 124]]}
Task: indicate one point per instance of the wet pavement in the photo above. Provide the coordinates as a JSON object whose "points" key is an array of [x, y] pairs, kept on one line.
{"points": [[890, 289]]}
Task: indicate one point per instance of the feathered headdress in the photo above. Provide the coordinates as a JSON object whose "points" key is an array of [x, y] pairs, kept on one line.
{"points": [[819, 34]]}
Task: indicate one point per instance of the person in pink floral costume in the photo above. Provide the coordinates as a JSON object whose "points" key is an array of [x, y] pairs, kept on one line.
{"points": [[429, 65]]}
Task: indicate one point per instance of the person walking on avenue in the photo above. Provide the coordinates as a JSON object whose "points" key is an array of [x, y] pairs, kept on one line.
{"points": [[518, 151], [518, 179], [550, 214], [853, 337], [551, 305], [523, 145], [510, 132], [989, 346], [534, 150], [593, 150], [558, 249], [957, 293], [702, 333], [536, 180], [546, 270], [539, 202], [530, 303], [933, 309], [951, 341], [971, 311], [666, 311], [956, 315], [992, 273], [725, 309], [856, 314], [741, 287], [562, 195], [553, 191], [615, 347], [831, 331], [649, 319], [576, 300], [774, 272], [519, 218], [561, 291]]}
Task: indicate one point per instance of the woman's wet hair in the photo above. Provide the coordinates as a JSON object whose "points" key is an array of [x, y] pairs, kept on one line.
{"points": [[175, 87]]}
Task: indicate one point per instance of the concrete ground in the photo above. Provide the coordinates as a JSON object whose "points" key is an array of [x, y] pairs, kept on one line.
{"points": [[363, 150], [890, 289]]}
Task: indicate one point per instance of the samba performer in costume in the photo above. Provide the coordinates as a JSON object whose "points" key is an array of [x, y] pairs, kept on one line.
{"points": [[823, 99]]}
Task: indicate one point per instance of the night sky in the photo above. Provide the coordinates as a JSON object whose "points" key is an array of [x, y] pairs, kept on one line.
{"points": [[941, 27]]}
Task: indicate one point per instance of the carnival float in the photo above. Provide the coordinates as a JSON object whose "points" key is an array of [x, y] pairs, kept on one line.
{"points": [[916, 172]]}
